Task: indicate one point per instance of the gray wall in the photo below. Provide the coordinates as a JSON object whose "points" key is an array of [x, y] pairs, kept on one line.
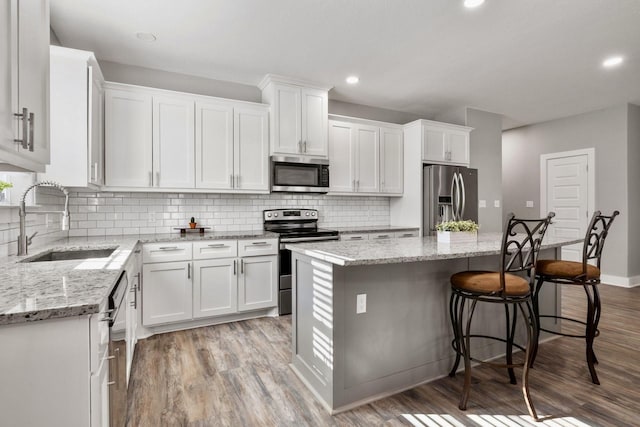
{"points": [[633, 160], [604, 130], [131, 74], [486, 152], [371, 113]]}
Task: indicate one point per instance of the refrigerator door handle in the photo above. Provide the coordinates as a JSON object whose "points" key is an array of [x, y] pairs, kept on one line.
{"points": [[464, 201], [454, 196]]}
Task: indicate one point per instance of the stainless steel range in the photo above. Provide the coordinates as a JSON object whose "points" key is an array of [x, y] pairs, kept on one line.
{"points": [[293, 226]]}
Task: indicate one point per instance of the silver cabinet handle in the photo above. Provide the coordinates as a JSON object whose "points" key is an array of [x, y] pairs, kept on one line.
{"points": [[95, 172], [357, 185], [260, 243], [189, 271], [235, 263], [355, 238], [353, 185], [168, 248], [241, 266], [305, 146], [231, 180], [32, 120], [158, 179], [218, 245], [382, 236], [150, 179], [25, 127], [407, 235], [237, 181], [299, 146]]}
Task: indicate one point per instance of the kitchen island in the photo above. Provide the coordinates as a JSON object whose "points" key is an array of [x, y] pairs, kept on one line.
{"points": [[371, 318]]}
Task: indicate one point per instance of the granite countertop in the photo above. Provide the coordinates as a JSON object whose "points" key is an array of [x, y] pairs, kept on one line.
{"points": [[411, 249], [46, 290], [373, 229]]}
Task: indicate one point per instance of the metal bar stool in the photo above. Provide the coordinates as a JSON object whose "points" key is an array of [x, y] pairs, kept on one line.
{"points": [[581, 274], [520, 247]]}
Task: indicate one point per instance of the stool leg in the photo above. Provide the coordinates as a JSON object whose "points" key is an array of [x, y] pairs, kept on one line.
{"points": [[590, 334], [536, 312], [532, 327], [453, 312], [466, 342], [511, 331]]}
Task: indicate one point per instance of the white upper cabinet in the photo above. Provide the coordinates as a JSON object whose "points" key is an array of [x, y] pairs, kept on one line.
{"points": [[76, 119], [24, 84], [173, 142], [251, 148], [391, 161], [214, 146], [128, 139], [445, 143], [184, 141], [298, 116], [365, 158]]}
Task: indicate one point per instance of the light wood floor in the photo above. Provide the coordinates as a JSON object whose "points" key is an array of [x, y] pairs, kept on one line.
{"points": [[237, 375]]}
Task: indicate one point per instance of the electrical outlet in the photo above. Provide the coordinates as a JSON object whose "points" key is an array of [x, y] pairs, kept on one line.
{"points": [[496, 203], [361, 303], [482, 203], [152, 217], [529, 203]]}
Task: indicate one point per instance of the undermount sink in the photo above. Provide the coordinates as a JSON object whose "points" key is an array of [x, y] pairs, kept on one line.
{"points": [[70, 255]]}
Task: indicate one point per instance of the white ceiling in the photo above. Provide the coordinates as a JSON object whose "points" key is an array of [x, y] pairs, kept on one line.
{"points": [[530, 60]]}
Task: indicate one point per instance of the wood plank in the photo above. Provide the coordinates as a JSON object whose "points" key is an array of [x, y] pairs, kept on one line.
{"points": [[237, 374]]}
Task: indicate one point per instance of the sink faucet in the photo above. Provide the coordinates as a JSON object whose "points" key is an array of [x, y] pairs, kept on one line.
{"points": [[23, 240]]}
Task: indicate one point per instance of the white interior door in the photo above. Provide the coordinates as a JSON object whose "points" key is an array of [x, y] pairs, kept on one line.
{"points": [[567, 194]]}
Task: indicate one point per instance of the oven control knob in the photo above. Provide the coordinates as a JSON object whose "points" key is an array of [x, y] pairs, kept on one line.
{"points": [[313, 214], [275, 214], [307, 213], [269, 215]]}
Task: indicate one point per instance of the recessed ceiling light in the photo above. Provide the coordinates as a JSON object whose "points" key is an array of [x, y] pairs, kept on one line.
{"points": [[147, 37], [612, 61], [353, 80], [472, 3]]}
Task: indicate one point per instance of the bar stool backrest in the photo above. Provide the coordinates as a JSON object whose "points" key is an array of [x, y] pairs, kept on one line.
{"points": [[596, 235], [521, 244]]}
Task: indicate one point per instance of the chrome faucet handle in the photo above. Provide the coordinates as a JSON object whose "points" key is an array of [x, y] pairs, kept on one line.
{"points": [[30, 238]]}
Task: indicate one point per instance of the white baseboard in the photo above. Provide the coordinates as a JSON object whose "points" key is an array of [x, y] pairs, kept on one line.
{"points": [[625, 282]]}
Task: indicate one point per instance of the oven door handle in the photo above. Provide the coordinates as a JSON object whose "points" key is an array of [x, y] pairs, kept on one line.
{"points": [[308, 239]]}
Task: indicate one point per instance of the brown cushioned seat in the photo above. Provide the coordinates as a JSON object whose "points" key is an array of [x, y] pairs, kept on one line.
{"points": [[488, 282], [564, 269]]}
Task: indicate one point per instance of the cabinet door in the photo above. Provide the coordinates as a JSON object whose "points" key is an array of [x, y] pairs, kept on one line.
{"points": [[314, 122], [96, 132], [367, 159], [128, 139], [33, 70], [214, 146], [258, 283], [391, 161], [166, 293], [458, 147], [251, 145], [100, 396], [7, 42], [215, 289], [173, 142], [434, 145], [286, 110], [341, 149]]}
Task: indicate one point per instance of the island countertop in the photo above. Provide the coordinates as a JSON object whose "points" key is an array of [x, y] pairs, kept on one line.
{"points": [[413, 249], [47, 290]]}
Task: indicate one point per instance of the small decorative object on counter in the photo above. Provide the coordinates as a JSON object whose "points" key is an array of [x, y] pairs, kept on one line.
{"points": [[3, 186], [193, 223], [457, 232]]}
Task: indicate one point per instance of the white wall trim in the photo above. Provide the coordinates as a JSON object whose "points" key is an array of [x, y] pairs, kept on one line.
{"points": [[591, 176], [624, 282]]}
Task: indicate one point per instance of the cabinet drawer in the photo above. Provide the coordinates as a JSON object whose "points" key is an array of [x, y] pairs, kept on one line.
{"points": [[215, 249], [347, 237], [401, 234], [381, 236], [255, 247], [164, 252]]}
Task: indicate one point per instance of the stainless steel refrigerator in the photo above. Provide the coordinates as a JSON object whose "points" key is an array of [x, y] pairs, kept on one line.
{"points": [[450, 194]]}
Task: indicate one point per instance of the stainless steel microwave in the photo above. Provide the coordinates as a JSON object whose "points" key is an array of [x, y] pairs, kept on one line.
{"points": [[290, 174]]}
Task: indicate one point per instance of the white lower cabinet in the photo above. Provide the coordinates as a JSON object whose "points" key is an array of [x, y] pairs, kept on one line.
{"points": [[214, 288], [166, 293], [212, 278], [258, 283]]}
